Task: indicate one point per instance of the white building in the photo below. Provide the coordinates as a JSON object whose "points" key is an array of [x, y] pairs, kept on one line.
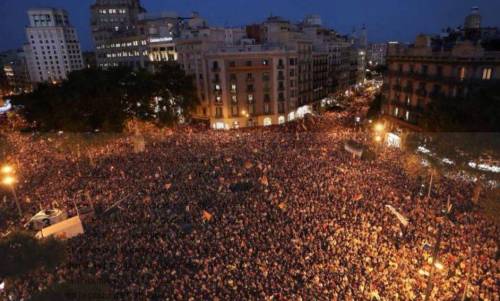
{"points": [[53, 49]]}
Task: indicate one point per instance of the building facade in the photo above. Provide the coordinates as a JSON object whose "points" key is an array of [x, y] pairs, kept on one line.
{"points": [[13, 65], [376, 54], [53, 49], [241, 82], [433, 68]]}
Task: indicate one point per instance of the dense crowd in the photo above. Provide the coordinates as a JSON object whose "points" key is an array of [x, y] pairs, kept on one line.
{"points": [[280, 213]]}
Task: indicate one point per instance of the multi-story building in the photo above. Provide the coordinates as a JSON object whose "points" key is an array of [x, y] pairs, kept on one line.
{"points": [[241, 82], [434, 67], [53, 49], [125, 35], [13, 65], [114, 30], [376, 54]]}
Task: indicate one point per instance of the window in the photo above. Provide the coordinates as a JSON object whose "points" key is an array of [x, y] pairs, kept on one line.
{"points": [[218, 112], [234, 110], [461, 73], [217, 87], [487, 73], [218, 99], [232, 64], [425, 68], [281, 107], [232, 76], [234, 99], [407, 115], [233, 87], [265, 62], [250, 98], [281, 119], [267, 108], [248, 63], [267, 121], [396, 112]]}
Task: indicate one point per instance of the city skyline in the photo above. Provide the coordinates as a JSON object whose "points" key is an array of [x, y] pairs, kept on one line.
{"points": [[386, 20]]}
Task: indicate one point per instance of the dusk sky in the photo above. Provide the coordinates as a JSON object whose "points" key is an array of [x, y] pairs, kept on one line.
{"points": [[385, 19]]}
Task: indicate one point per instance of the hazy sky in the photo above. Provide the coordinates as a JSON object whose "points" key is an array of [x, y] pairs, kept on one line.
{"points": [[385, 19]]}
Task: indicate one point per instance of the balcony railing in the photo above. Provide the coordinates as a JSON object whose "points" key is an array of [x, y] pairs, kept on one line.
{"points": [[422, 92]]}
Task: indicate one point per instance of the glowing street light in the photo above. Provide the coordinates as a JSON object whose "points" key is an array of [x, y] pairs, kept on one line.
{"points": [[378, 138], [9, 181], [379, 127], [7, 169]]}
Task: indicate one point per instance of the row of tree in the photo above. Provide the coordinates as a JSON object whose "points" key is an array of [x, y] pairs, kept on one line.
{"points": [[95, 99]]}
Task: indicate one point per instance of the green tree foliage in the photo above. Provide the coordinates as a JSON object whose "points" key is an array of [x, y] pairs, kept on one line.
{"points": [[21, 253], [375, 107], [75, 291], [105, 99], [478, 111]]}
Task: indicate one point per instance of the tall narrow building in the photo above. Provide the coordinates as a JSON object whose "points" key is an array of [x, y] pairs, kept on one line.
{"points": [[53, 49], [115, 20]]}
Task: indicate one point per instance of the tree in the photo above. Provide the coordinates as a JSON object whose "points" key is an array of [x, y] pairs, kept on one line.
{"points": [[21, 253], [71, 291], [375, 106], [105, 99], [477, 111]]}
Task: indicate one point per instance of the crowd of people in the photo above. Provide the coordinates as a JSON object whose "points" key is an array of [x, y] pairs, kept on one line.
{"points": [[277, 213]]}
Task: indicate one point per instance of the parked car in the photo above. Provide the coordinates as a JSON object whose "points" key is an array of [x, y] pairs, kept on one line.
{"points": [[46, 218]]}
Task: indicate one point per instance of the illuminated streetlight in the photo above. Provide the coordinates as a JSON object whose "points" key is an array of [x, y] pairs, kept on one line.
{"points": [[9, 181], [379, 127], [7, 169], [378, 138]]}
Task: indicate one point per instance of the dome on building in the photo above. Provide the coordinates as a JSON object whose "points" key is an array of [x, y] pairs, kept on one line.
{"points": [[473, 20]]}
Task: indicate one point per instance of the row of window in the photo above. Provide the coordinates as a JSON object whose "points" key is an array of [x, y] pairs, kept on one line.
{"points": [[124, 44], [112, 11], [462, 72]]}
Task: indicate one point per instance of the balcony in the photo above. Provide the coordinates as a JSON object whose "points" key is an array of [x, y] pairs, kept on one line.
{"points": [[408, 89], [421, 92], [281, 77], [436, 94], [281, 66]]}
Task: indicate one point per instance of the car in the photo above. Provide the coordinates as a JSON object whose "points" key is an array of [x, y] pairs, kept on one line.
{"points": [[45, 218]]}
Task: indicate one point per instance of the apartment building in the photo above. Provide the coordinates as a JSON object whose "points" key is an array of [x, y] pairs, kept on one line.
{"points": [[53, 49], [435, 66]]}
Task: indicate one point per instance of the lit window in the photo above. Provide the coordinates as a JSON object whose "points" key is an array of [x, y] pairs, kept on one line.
{"points": [[250, 97], [407, 116], [267, 121], [487, 73], [233, 87], [217, 87], [461, 73]]}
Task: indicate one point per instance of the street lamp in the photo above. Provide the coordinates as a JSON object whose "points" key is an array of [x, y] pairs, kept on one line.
{"points": [[7, 169], [379, 127], [9, 182]]}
